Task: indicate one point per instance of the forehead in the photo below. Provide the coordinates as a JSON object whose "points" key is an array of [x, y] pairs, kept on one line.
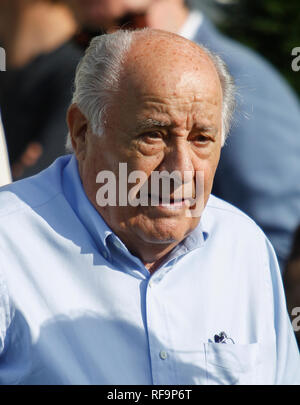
{"points": [[166, 65], [173, 78]]}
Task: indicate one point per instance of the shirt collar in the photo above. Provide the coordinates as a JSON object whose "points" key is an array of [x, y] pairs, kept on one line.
{"points": [[98, 228], [191, 25], [83, 208]]}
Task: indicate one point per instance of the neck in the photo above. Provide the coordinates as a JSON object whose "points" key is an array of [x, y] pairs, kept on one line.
{"points": [[34, 28], [152, 255]]}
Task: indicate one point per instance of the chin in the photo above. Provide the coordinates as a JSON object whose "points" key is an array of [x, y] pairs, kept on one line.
{"points": [[163, 231]]}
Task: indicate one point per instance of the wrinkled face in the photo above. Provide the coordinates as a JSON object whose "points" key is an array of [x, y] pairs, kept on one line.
{"points": [[166, 117]]}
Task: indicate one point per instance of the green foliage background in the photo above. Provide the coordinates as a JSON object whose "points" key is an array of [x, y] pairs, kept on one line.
{"points": [[271, 27]]}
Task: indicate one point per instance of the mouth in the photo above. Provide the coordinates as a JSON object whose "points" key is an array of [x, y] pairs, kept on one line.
{"points": [[170, 203]]}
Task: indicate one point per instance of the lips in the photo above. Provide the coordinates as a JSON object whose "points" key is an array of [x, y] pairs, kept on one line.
{"points": [[169, 202]]}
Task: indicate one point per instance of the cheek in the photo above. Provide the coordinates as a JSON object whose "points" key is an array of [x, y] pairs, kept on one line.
{"points": [[208, 168], [208, 165], [88, 177], [146, 164], [94, 162]]}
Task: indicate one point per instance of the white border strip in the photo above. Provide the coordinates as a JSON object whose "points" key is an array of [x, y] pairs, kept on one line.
{"points": [[5, 175]]}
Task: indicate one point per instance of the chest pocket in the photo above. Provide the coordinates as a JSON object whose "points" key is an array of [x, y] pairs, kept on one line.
{"points": [[232, 363]]}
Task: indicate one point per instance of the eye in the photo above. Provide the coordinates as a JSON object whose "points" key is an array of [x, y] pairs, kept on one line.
{"points": [[201, 139], [152, 136]]}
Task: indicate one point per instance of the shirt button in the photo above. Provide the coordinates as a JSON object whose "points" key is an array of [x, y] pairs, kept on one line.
{"points": [[163, 355]]}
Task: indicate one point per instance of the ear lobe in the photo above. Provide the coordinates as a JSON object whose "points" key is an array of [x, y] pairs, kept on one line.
{"points": [[78, 126]]}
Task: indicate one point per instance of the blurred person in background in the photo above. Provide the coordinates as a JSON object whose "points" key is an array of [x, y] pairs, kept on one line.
{"points": [[260, 165], [95, 17], [35, 91]]}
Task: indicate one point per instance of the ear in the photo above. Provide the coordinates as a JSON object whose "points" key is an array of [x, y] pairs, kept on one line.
{"points": [[78, 127]]}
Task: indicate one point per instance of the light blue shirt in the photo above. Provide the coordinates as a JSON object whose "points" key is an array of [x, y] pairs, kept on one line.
{"points": [[76, 307]]}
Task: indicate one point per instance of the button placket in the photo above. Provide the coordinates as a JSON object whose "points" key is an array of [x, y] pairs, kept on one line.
{"points": [[158, 335]]}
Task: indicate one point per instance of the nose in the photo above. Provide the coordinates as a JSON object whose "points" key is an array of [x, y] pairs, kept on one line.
{"points": [[178, 158]]}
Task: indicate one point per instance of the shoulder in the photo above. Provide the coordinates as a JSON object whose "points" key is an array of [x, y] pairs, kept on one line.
{"points": [[239, 237], [221, 216], [32, 191], [227, 210]]}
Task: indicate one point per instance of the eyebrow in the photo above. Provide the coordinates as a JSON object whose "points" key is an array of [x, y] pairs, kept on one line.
{"points": [[212, 130], [151, 123]]}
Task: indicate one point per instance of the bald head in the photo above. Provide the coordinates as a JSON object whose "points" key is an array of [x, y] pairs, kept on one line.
{"points": [[143, 58], [160, 61], [154, 50]]}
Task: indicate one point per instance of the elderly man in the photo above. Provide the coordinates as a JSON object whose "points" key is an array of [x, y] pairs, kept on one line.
{"points": [[126, 293], [265, 137]]}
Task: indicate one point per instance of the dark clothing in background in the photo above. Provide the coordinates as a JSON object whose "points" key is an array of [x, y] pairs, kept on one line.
{"points": [[34, 101], [83, 38]]}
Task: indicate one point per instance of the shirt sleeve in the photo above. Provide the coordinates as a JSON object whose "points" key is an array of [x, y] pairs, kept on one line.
{"points": [[287, 353]]}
